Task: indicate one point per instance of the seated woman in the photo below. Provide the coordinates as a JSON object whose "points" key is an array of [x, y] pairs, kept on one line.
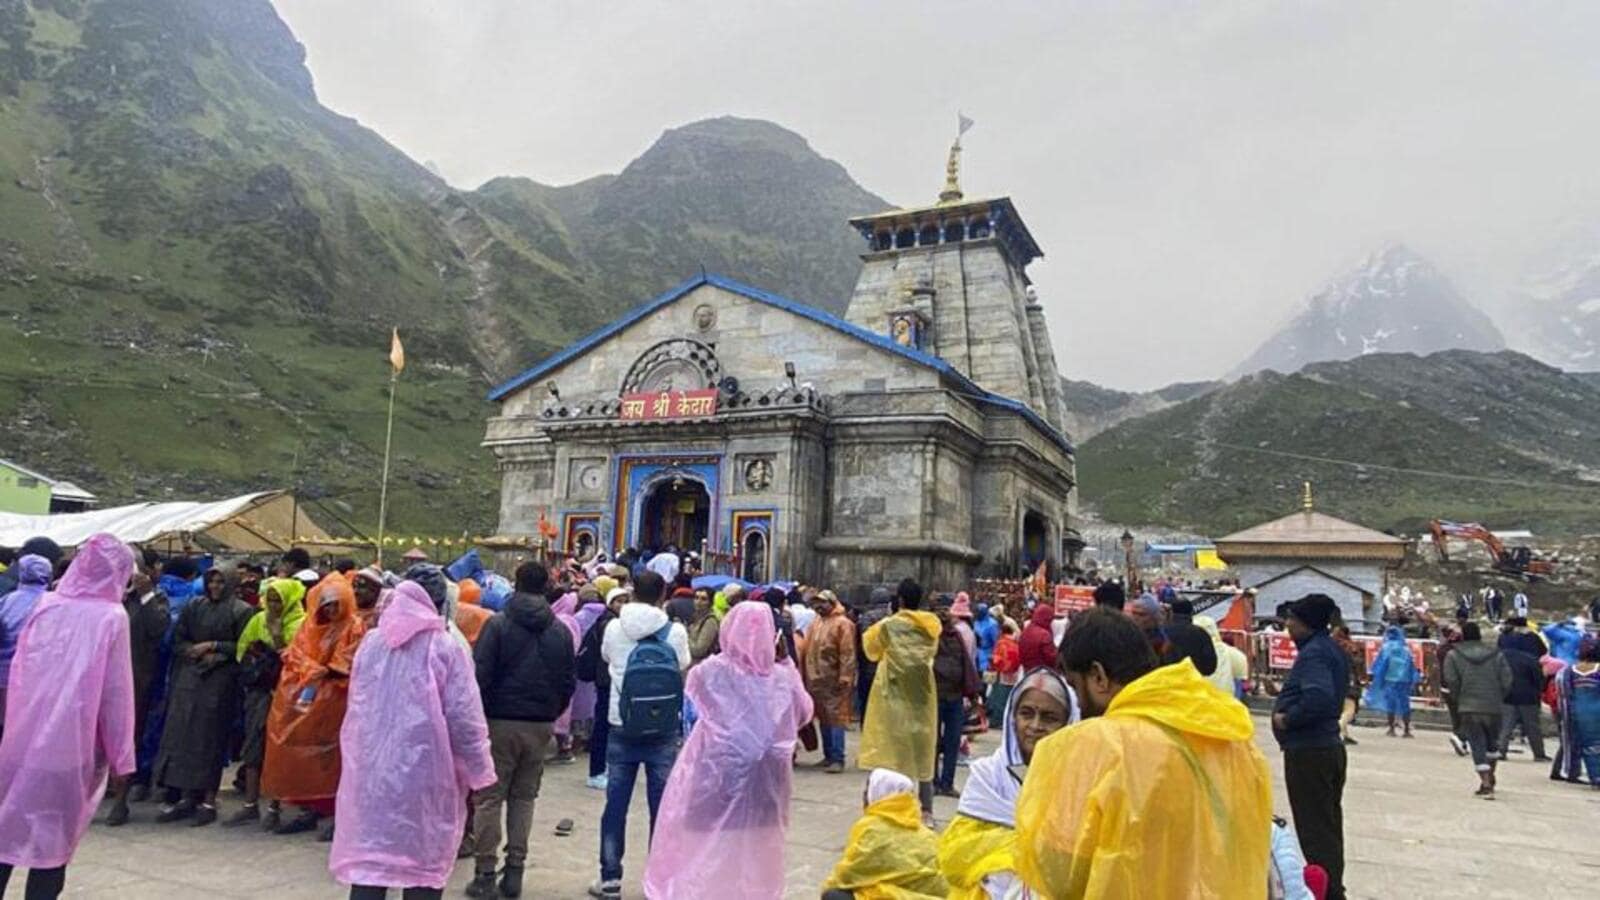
{"points": [[890, 854], [976, 850]]}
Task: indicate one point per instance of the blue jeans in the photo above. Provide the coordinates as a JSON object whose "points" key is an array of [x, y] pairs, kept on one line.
{"points": [[833, 743], [952, 716], [623, 759], [602, 730]]}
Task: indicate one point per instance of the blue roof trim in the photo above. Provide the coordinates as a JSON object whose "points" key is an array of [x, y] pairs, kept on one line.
{"points": [[882, 342]]}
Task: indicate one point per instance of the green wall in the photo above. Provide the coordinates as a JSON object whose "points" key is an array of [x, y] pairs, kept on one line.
{"points": [[21, 493]]}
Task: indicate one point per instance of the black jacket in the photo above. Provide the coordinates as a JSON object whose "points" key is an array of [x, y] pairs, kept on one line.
{"points": [[1527, 677], [525, 662], [1523, 640], [1313, 694], [590, 666]]}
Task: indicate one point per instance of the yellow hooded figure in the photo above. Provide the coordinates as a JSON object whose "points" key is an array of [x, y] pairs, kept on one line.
{"points": [[902, 709], [890, 855], [1164, 795]]}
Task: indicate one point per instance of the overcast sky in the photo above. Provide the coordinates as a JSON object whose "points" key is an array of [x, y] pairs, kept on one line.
{"points": [[1193, 171]]}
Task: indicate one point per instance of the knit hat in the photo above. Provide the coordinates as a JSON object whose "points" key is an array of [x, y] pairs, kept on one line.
{"points": [[1315, 610]]}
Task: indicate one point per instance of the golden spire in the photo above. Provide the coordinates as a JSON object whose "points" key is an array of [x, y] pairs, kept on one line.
{"points": [[952, 167], [1306, 502], [952, 175]]}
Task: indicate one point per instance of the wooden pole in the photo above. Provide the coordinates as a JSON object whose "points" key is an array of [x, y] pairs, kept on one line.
{"points": [[388, 442]]}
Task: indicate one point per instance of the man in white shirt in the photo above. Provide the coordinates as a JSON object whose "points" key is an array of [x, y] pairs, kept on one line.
{"points": [[641, 619]]}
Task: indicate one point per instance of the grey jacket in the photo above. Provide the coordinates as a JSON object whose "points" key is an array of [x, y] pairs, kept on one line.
{"points": [[1478, 676]]}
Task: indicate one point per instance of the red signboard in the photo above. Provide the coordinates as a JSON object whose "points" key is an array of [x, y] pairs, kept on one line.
{"points": [[1071, 598], [670, 405], [1281, 651], [1419, 651]]}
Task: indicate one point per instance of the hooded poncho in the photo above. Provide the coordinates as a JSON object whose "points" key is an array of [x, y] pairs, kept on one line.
{"points": [[979, 845], [1394, 673], [308, 706], [417, 743], [33, 576], [902, 710], [69, 712], [726, 807], [890, 854], [292, 593], [1165, 795]]}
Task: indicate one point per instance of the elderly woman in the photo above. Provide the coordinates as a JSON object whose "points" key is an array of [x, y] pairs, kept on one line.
{"points": [[726, 806], [976, 850]]}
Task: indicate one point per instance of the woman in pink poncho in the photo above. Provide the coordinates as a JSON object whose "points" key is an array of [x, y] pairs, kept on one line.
{"points": [[69, 716], [726, 805], [414, 743]]}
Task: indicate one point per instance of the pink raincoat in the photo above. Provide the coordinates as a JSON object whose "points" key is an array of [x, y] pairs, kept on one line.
{"points": [[69, 713], [414, 743], [721, 828], [565, 612]]}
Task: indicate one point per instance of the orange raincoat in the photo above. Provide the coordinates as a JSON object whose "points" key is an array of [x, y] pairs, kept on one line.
{"points": [[308, 706], [470, 614]]}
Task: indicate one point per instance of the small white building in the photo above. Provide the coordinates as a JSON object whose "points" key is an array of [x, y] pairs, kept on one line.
{"points": [[1312, 553]]}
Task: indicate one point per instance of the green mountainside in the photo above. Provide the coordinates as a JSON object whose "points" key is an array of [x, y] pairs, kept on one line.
{"points": [[1526, 435], [200, 264]]}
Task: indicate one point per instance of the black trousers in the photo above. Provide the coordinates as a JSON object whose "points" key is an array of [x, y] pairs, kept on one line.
{"points": [[43, 884], [1314, 777], [1526, 715], [373, 892]]}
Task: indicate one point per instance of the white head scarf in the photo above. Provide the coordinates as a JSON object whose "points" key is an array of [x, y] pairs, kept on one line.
{"points": [[886, 783], [991, 791]]}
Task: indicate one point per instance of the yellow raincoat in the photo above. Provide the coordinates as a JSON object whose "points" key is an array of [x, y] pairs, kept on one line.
{"points": [[1165, 795], [971, 849], [890, 855], [902, 710]]}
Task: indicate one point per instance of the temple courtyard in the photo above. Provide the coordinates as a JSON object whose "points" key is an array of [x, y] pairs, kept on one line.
{"points": [[1412, 827]]}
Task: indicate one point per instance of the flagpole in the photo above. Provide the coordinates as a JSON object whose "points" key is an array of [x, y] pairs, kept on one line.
{"points": [[388, 440]]}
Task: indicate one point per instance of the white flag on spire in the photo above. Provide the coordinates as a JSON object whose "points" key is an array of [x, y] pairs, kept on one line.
{"points": [[963, 123]]}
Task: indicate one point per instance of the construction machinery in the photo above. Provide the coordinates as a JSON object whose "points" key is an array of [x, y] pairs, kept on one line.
{"points": [[1517, 562]]}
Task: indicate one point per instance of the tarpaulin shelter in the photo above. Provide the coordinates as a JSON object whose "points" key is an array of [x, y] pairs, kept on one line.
{"points": [[268, 522]]}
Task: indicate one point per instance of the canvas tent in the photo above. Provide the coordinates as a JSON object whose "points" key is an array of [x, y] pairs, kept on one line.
{"points": [[269, 522]]}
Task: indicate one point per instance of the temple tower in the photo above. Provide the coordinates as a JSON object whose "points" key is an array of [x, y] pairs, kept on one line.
{"points": [[951, 280]]}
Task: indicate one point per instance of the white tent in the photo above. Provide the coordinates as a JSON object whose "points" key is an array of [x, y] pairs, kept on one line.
{"points": [[254, 523]]}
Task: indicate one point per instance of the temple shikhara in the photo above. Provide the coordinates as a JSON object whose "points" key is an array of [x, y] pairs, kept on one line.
{"points": [[920, 435]]}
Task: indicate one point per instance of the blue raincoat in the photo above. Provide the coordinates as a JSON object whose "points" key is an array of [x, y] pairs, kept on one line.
{"points": [[1394, 674]]}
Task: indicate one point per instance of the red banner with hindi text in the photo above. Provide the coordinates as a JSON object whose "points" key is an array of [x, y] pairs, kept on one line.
{"points": [[670, 405]]}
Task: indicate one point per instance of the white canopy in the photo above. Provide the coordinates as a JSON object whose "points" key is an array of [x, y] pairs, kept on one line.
{"points": [[253, 523]]}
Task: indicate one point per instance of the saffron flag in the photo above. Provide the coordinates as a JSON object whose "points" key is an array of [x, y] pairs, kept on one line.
{"points": [[397, 353], [546, 530], [962, 124]]}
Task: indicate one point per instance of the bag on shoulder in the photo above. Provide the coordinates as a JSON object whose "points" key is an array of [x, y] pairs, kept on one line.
{"points": [[651, 700]]}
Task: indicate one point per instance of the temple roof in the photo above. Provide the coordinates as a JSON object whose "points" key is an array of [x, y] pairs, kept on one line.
{"points": [[1311, 534], [1000, 209], [966, 386]]}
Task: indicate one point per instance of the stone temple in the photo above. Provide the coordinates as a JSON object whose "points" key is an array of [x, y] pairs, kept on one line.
{"points": [[920, 435]]}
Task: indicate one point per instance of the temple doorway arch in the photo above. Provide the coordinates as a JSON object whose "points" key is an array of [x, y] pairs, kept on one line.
{"points": [[676, 511]]}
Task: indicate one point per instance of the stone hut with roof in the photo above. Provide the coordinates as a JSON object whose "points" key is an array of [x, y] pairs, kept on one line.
{"points": [[920, 435], [1309, 552]]}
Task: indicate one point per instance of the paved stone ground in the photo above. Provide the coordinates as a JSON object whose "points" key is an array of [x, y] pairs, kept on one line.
{"points": [[1413, 830]]}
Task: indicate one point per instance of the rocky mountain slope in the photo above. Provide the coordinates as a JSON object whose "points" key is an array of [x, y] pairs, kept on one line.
{"points": [[1390, 440], [1092, 409], [200, 264], [1393, 302]]}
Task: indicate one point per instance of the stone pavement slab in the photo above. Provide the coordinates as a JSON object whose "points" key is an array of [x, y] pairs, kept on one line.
{"points": [[1412, 830]]}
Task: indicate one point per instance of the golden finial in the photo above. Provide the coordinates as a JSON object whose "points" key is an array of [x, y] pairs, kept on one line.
{"points": [[952, 167], [952, 175], [1306, 502]]}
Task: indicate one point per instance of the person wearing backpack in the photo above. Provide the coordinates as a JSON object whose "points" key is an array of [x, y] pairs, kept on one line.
{"points": [[524, 662], [646, 656]]}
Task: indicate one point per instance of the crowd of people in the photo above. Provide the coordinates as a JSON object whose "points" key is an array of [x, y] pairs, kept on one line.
{"points": [[408, 718]]}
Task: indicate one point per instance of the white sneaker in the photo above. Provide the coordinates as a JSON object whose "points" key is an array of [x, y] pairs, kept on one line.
{"points": [[606, 890], [1458, 745], [598, 782]]}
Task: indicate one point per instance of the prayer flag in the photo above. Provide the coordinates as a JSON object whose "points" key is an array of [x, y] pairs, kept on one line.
{"points": [[547, 530], [397, 353], [963, 123]]}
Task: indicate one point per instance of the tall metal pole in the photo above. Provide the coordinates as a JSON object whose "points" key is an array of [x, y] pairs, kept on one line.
{"points": [[388, 441]]}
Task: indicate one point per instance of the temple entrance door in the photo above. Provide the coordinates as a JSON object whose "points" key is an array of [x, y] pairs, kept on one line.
{"points": [[1034, 547], [676, 512]]}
